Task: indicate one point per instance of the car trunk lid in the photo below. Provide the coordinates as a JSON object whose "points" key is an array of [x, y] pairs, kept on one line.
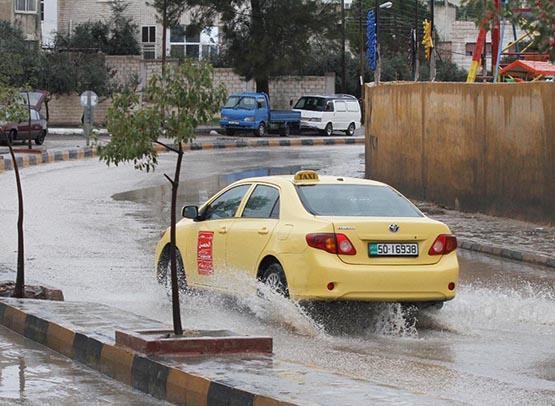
{"points": [[364, 231]]}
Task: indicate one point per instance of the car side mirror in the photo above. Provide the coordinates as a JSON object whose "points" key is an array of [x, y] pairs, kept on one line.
{"points": [[190, 212], [291, 103], [260, 104]]}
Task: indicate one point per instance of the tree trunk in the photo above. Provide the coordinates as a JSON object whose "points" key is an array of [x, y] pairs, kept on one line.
{"points": [[263, 86], [177, 328], [19, 290]]}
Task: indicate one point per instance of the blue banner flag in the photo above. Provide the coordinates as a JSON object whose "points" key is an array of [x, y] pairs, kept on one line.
{"points": [[371, 41]]}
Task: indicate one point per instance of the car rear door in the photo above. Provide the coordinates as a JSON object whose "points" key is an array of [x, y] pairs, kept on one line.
{"points": [[250, 234]]}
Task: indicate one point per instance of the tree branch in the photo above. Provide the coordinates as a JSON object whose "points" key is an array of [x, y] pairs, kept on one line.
{"points": [[166, 146], [169, 179]]}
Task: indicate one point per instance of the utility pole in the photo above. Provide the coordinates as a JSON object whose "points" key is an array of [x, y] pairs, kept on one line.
{"points": [[378, 71], [416, 66], [432, 57], [343, 41], [361, 55]]}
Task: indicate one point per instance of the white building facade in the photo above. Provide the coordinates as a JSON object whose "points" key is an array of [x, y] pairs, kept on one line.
{"points": [[179, 42]]}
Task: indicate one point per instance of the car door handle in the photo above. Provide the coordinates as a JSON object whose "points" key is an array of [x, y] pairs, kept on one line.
{"points": [[222, 230], [263, 230]]}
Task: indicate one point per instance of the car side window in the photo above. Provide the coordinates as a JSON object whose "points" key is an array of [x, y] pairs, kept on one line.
{"points": [[225, 206], [35, 115], [261, 102], [340, 106], [262, 202], [329, 106], [352, 106]]}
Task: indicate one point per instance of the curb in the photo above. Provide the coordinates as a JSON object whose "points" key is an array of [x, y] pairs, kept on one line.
{"points": [[141, 372], [521, 256], [90, 152]]}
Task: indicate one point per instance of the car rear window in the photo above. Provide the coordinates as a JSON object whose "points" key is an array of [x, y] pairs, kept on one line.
{"points": [[355, 200]]}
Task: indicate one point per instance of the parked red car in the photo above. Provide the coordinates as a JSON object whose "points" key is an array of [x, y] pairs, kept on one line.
{"points": [[39, 123]]}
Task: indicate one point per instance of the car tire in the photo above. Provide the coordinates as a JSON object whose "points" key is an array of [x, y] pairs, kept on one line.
{"points": [[229, 131], [285, 131], [351, 130], [40, 139], [163, 270], [261, 130], [274, 277], [328, 130]]}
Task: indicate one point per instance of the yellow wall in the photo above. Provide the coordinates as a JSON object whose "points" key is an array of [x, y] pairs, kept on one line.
{"points": [[478, 146]]}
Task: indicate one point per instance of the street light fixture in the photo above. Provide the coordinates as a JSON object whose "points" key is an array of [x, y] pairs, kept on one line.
{"points": [[387, 4]]}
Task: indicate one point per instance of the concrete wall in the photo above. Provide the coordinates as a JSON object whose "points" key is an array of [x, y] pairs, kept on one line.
{"points": [[477, 147], [65, 110]]}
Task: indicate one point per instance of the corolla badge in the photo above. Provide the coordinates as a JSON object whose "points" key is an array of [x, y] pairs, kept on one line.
{"points": [[393, 228]]}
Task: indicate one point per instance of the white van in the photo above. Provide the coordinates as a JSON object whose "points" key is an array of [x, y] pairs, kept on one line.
{"points": [[338, 112]]}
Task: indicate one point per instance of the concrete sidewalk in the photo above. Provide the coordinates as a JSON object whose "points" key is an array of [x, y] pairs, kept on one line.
{"points": [[85, 332]]}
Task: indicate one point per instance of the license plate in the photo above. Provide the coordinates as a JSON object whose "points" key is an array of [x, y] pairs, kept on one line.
{"points": [[379, 249], [234, 122]]}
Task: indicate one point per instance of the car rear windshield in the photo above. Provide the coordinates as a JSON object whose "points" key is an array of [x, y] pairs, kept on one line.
{"points": [[355, 200]]}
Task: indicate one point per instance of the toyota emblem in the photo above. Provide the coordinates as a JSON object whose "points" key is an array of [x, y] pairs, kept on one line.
{"points": [[393, 228]]}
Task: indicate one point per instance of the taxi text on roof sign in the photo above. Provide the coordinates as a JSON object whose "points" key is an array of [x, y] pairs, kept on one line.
{"points": [[305, 175]]}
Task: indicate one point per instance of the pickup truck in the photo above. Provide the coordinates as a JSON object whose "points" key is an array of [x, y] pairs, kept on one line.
{"points": [[251, 112]]}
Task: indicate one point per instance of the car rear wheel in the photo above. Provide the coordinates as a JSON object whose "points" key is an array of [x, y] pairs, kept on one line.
{"points": [[351, 130], [261, 130], [274, 278], [40, 139], [163, 271], [328, 130]]}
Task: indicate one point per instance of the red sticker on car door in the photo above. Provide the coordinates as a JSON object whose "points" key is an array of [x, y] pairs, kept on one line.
{"points": [[205, 260]]}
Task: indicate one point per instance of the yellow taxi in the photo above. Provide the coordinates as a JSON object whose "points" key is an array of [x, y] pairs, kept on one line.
{"points": [[314, 237]]}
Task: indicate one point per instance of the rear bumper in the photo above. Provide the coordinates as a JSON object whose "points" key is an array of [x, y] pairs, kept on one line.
{"points": [[389, 283]]}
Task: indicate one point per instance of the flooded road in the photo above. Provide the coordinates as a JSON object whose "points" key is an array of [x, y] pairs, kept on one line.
{"points": [[92, 230]]}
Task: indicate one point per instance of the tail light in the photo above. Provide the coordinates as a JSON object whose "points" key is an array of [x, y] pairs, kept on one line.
{"points": [[332, 243], [443, 245]]}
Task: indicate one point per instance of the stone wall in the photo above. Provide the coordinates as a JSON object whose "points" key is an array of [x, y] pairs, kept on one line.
{"points": [[66, 110], [477, 146]]}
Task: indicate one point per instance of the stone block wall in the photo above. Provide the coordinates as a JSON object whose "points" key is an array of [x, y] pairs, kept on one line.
{"points": [[66, 110]]}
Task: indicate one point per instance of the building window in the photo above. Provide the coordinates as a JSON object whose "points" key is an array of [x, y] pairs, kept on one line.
{"points": [[149, 34], [148, 39], [184, 42], [26, 6]]}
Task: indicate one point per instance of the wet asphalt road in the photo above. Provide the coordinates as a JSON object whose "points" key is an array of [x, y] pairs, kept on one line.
{"points": [[91, 230]]}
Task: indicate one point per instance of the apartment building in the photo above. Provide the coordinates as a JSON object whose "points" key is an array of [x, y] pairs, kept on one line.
{"points": [[25, 14], [179, 41]]}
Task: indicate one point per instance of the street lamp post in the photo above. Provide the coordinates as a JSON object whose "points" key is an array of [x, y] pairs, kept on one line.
{"points": [[387, 4]]}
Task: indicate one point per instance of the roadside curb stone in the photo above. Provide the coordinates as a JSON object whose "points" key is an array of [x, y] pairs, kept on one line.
{"points": [[71, 154], [146, 374], [528, 257]]}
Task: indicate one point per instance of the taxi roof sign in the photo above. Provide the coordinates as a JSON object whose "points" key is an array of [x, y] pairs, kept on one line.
{"points": [[306, 175]]}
